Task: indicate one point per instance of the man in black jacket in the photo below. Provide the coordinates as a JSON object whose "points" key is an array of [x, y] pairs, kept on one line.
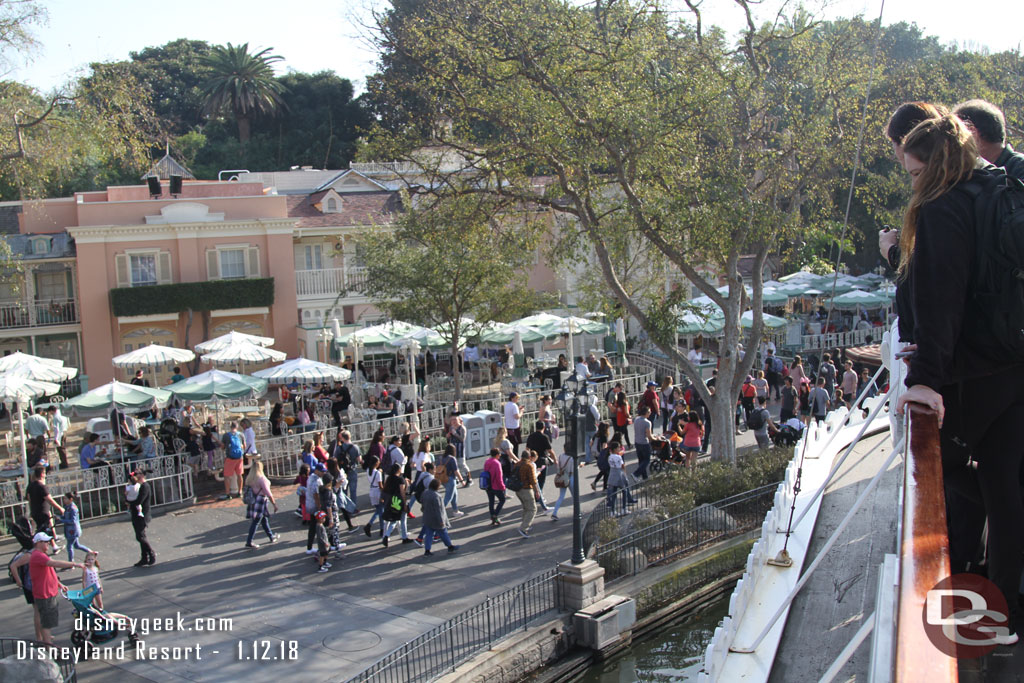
{"points": [[140, 512]]}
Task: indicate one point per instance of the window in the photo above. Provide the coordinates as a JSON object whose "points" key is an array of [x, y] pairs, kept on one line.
{"points": [[332, 205], [232, 263], [40, 245], [314, 256], [52, 286], [143, 269]]}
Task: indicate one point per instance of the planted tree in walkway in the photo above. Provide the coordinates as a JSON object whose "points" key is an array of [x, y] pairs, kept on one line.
{"points": [[451, 262], [642, 124]]}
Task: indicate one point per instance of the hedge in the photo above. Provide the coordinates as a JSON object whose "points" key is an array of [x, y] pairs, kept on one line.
{"points": [[213, 295]]}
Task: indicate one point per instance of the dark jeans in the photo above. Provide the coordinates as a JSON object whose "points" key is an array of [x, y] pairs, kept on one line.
{"points": [[515, 437], [146, 550], [666, 417], [492, 496], [983, 418], [643, 460], [263, 521], [601, 474]]}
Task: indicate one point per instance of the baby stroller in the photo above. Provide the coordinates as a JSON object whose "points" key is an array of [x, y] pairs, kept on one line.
{"points": [[786, 436], [663, 453], [22, 532], [102, 624]]}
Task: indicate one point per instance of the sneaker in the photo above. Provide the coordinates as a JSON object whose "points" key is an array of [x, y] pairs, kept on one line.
{"points": [[406, 540], [523, 533], [311, 551], [355, 529], [251, 545], [328, 565], [274, 538], [334, 548], [427, 553], [339, 546], [418, 541], [322, 569], [554, 518], [385, 541], [298, 513], [497, 522], [452, 549], [366, 530], [458, 513], [412, 516]]}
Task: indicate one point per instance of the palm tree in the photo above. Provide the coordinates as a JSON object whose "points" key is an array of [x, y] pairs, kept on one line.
{"points": [[242, 83]]}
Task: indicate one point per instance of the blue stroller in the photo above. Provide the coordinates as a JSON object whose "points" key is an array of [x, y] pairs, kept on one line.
{"points": [[102, 625]]}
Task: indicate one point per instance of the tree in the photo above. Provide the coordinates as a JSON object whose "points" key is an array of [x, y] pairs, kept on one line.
{"points": [[648, 125], [17, 17], [453, 260], [242, 84], [174, 74]]}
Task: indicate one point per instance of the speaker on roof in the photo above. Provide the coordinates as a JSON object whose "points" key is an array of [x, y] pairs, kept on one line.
{"points": [[154, 186], [175, 185]]}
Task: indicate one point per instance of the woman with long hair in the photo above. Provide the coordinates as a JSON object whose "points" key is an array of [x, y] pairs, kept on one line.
{"points": [[622, 418], [665, 395], [257, 511], [958, 368]]}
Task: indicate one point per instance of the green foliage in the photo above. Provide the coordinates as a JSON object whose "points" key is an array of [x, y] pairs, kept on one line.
{"points": [[17, 18], [607, 530], [198, 296], [241, 84], [453, 259]]}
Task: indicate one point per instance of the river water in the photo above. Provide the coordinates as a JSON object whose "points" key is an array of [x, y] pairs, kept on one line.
{"points": [[673, 655]]}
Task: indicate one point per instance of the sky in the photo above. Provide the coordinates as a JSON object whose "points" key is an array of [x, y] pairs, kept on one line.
{"points": [[314, 35]]}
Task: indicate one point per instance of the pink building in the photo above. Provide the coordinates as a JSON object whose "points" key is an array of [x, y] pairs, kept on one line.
{"points": [[171, 270]]}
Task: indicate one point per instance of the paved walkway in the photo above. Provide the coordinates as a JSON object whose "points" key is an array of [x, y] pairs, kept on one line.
{"points": [[372, 601]]}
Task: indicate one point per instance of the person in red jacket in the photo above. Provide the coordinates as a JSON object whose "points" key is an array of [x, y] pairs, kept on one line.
{"points": [[650, 399]]}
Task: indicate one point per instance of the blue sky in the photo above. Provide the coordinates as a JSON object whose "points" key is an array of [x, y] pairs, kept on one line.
{"points": [[314, 35]]}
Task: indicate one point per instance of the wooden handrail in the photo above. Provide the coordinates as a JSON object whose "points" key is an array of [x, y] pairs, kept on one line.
{"points": [[924, 552]]}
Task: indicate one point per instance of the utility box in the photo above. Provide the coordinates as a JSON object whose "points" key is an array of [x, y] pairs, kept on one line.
{"points": [[492, 423], [603, 623], [475, 436]]}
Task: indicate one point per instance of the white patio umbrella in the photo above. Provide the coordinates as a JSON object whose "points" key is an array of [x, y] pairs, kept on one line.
{"points": [[231, 338], [303, 370], [517, 343], [19, 390], [154, 354], [18, 358], [42, 372], [244, 352]]}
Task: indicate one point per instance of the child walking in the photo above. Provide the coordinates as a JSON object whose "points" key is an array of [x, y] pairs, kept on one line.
{"points": [[72, 526], [91, 577], [322, 542]]}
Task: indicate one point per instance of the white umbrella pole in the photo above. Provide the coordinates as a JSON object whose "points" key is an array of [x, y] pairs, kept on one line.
{"points": [[24, 453]]}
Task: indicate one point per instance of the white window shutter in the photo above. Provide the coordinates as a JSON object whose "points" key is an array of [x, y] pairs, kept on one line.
{"points": [[124, 276], [212, 264], [163, 268], [253, 262]]}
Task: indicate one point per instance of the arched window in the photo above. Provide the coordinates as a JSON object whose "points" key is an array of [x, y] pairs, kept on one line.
{"points": [[332, 205]]}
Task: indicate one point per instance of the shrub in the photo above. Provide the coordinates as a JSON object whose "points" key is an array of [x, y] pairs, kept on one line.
{"points": [[212, 295]]}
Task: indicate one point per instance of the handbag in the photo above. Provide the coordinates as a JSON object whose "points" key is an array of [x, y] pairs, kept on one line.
{"points": [[561, 481], [441, 472], [345, 503], [554, 430]]}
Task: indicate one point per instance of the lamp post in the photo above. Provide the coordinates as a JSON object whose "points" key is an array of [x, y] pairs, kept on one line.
{"points": [[571, 399]]}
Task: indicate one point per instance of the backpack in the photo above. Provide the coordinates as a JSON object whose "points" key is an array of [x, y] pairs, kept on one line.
{"points": [[441, 472], [343, 454], [485, 480], [515, 482], [994, 317], [234, 450], [755, 419], [420, 486], [385, 465], [248, 497], [602, 460], [776, 364]]}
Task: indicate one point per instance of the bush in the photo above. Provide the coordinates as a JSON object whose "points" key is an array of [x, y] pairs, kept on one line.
{"points": [[213, 295], [607, 530]]}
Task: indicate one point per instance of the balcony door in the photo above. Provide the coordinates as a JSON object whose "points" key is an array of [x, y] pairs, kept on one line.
{"points": [[314, 256]]}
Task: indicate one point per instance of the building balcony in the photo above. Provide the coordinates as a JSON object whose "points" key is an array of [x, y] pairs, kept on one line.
{"points": [[17, 314], [329, 282]]}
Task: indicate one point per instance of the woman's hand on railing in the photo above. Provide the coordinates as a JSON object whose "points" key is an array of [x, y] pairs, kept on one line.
{"points": [[923, 395]]}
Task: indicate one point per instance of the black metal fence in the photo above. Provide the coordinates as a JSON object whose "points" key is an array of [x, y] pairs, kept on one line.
{"points": [[685, 533], [9, 648], [446, 646]]}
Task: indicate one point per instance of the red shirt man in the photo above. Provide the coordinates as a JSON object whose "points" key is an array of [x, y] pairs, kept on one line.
{"points": [[650, 399], [45, 585]]}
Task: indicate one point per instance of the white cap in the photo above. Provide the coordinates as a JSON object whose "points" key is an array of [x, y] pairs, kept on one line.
{"points": [[42, 538]]}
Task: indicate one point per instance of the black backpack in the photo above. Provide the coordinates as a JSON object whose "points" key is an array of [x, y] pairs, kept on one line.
{"points": [[994, 318], [755, 419]]}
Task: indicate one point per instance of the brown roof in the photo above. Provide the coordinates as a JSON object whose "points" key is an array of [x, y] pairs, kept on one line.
{"points": [[357, 208]]}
